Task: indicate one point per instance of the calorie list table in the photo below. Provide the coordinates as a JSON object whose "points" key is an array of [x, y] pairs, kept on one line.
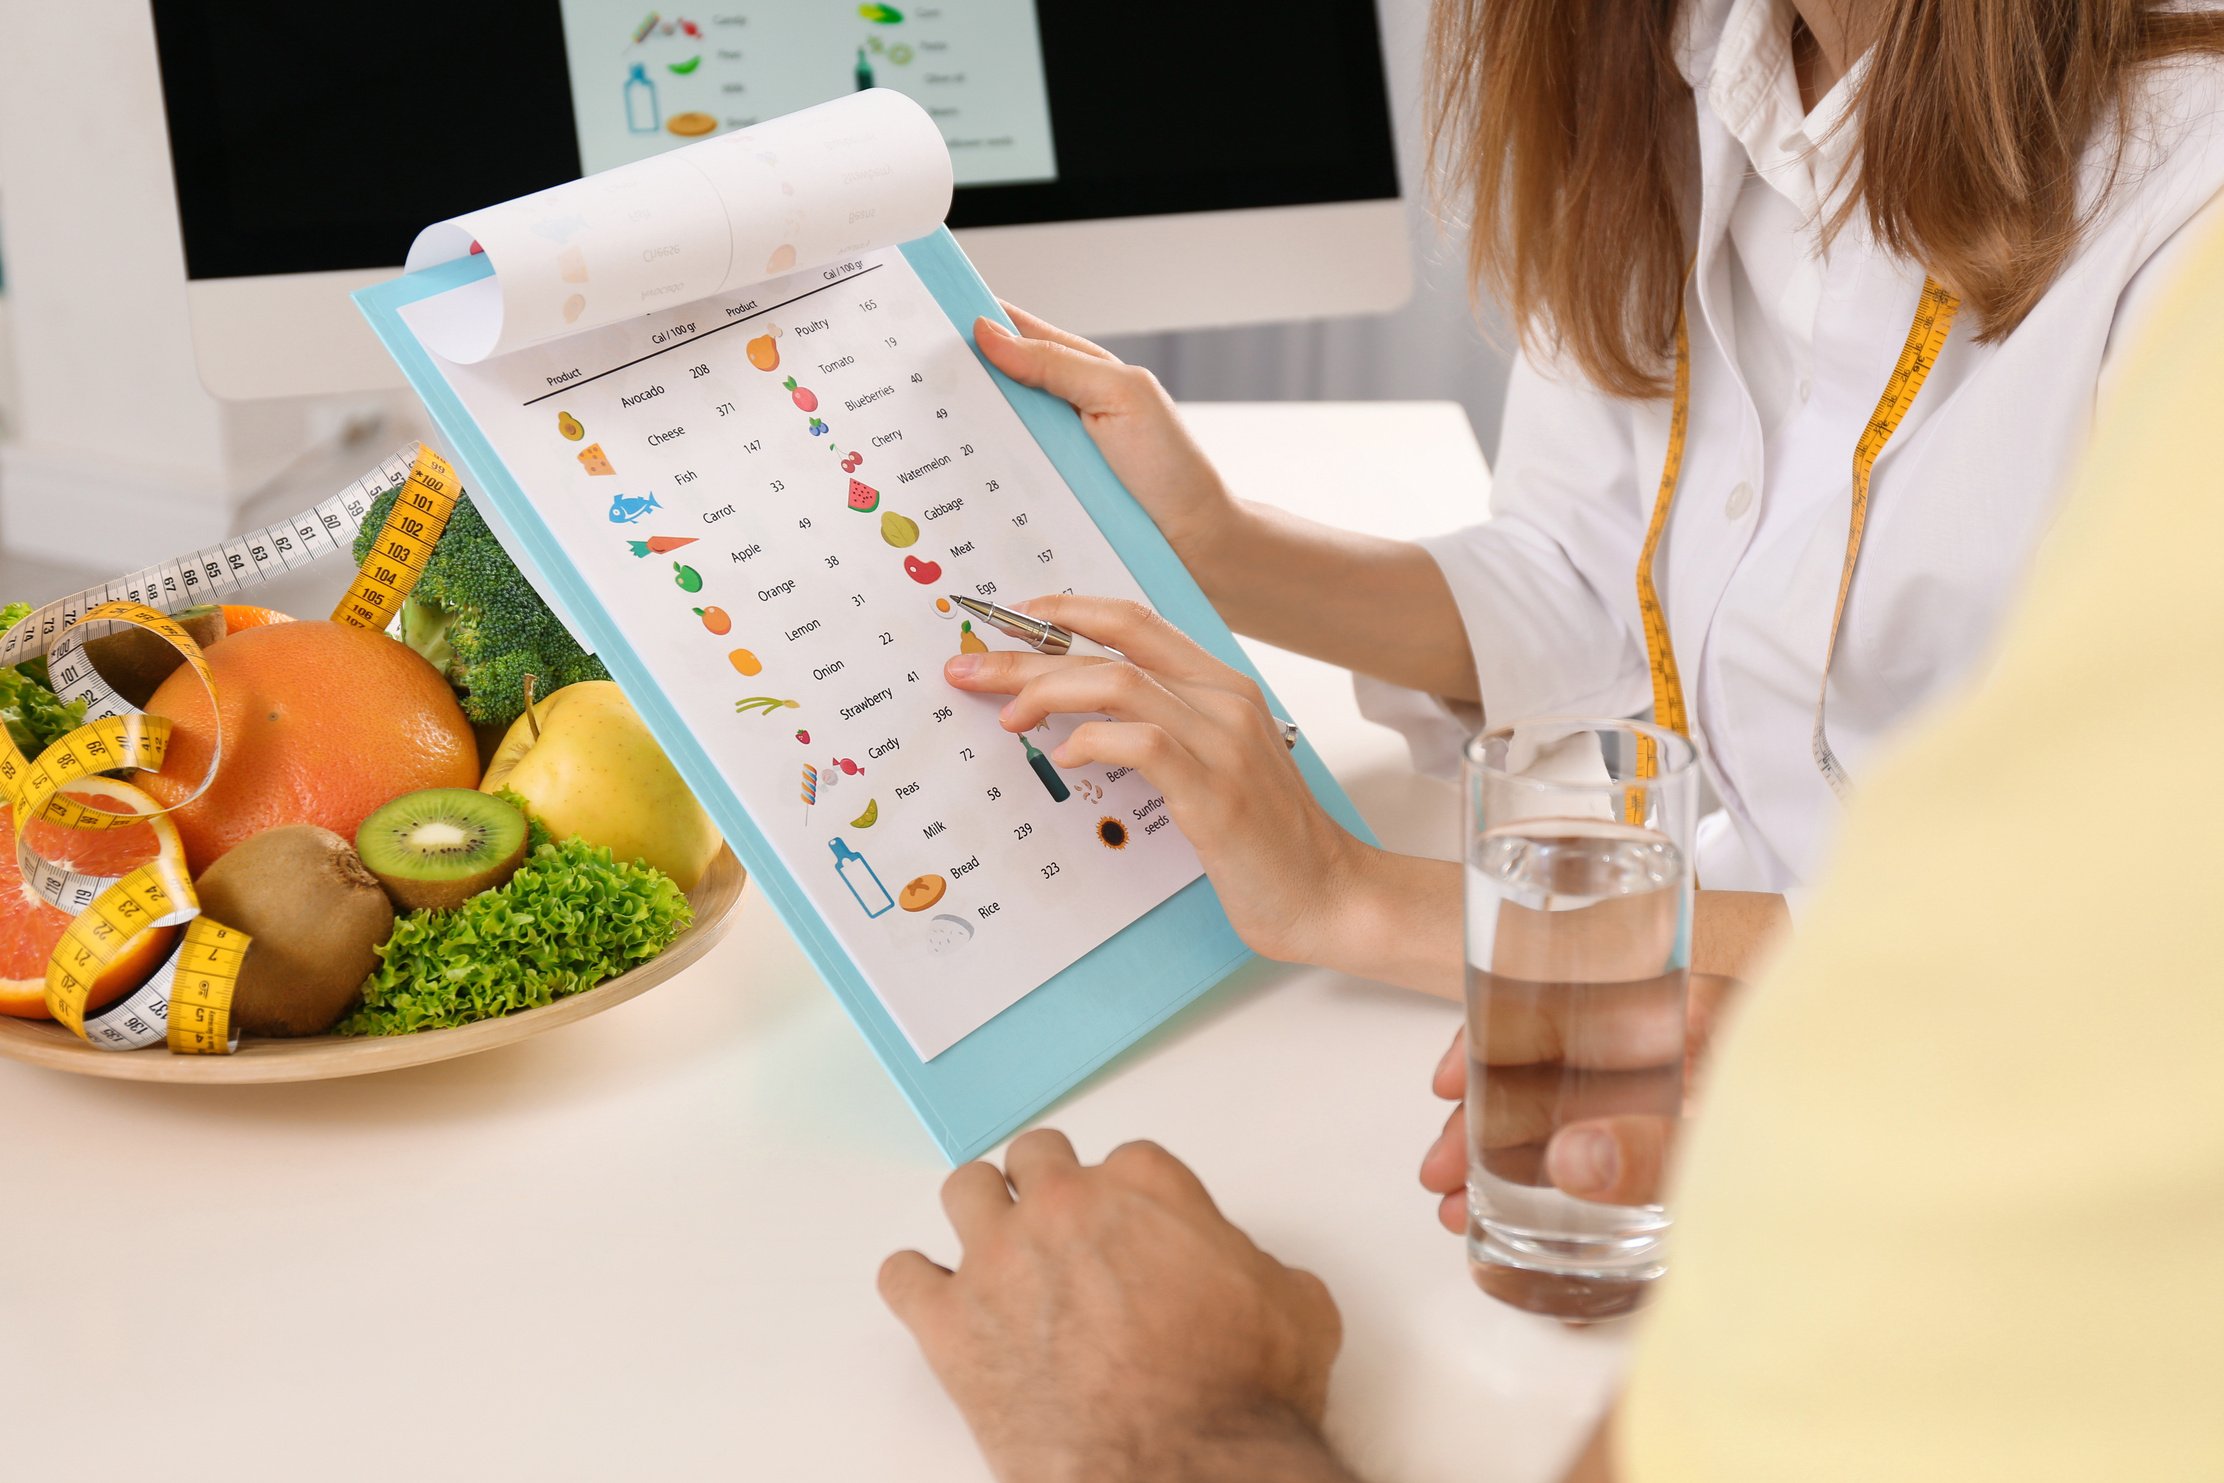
{"points": [[773, 495]]}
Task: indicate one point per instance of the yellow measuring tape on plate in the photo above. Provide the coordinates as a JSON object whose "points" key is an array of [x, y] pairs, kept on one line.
{"points": [[187, 1002], [1926, 337]]}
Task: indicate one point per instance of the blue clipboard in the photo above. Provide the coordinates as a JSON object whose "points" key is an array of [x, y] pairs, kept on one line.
{"points": [[990, 1083]]}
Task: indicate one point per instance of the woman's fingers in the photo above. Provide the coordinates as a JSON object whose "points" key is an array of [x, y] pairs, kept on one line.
{"points": [[1042, 686], [1035, 327], [1095, 384], [1005, 671], [1140, 634], [1152, 751], [1120, 691]]}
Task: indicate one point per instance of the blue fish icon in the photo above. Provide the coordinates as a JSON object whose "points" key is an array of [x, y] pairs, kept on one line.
{"points": [[627, 508]]}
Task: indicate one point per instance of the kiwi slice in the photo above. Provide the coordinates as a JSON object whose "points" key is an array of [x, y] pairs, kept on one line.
{"points": [[438, 847]]}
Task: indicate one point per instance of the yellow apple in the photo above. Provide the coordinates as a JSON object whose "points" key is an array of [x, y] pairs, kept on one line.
{"points": [[595, 771]]}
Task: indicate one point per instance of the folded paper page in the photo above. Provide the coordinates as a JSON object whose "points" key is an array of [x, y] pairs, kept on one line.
{"points": [[863, 172]]}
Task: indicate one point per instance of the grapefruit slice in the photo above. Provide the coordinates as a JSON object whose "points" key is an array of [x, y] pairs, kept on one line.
{"points": [[30, 926]]}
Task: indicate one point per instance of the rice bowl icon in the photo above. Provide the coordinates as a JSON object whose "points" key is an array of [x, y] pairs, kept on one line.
{"points": [[947, 933]]}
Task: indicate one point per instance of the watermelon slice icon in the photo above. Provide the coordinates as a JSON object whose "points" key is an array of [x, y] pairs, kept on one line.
{"points": [[863, 498]]}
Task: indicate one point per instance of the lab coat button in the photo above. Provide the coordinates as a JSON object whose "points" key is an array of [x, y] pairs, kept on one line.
{"points": [[1806, 388], [1741, 500]]}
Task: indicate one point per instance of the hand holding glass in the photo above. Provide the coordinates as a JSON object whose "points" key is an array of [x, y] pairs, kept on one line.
{"points": [[1578, 948]]}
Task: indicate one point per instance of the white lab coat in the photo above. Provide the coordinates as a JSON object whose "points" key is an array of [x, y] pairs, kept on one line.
{"points": [[1749, 564]]}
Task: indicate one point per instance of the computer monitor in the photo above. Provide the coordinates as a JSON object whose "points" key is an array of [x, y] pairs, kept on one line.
{"points": [[1119, 168]]}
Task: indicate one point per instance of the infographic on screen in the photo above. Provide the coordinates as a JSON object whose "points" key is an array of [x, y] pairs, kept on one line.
{"points": [[644, 81]]}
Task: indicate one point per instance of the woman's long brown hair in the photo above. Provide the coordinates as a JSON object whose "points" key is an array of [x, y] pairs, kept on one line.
{"points": [[1567, 132]]}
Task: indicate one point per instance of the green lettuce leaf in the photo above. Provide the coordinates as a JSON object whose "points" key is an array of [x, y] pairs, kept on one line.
{"points": [[35, 717], [571, 918]]}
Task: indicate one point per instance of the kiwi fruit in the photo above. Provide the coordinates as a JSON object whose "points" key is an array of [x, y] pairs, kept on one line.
{"points": [[439, 847], [135, 662], [317, 918]]}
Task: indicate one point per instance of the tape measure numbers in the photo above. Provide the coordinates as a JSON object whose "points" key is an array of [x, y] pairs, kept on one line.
{"points": [[1926, 338], [187, 1002], [404, 544]]}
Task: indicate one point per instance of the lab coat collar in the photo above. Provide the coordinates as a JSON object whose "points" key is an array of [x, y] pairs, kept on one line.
{"points": [[1737, 56]]}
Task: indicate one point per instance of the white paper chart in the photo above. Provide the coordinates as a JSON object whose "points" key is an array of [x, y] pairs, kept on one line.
{"points": [[773, 493]]}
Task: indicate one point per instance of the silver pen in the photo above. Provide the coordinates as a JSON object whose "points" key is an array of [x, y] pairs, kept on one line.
{"points": [[1045, 637]]}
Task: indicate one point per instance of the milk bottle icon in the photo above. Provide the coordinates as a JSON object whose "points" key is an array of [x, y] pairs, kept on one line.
{"points": [[640, 101], [857, 874]]}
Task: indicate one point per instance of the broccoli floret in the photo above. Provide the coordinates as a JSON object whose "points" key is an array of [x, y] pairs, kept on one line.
{"points": [[479, 622]]}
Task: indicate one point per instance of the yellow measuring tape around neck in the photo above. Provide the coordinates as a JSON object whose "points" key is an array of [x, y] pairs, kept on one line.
{"points": [[188, 1000], [1926, 337]]}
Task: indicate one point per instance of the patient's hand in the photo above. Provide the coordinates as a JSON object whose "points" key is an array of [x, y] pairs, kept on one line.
{"points": [[1602, 1153], [1108, 1323]]}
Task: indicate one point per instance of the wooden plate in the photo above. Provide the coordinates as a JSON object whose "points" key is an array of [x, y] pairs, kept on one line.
{"points": [[320, 1057]]}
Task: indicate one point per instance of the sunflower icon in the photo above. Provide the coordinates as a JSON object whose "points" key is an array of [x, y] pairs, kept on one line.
{"points": [[1111, 833]]}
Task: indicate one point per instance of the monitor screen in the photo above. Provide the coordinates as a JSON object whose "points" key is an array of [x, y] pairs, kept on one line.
{"points": [[315, 138]]}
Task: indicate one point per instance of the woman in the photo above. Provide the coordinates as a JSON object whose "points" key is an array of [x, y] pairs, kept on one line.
{"points": [[1762, 203]]}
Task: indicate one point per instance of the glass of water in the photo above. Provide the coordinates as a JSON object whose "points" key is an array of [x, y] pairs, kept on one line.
{"points": [[1579, 882]]}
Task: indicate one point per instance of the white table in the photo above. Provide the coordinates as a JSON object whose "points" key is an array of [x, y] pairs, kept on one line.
{"points": [[644, 1246]]}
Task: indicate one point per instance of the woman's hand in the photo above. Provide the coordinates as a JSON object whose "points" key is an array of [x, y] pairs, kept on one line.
{"points": [[1133, 422], [1201, 733], [1376, 606]]}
